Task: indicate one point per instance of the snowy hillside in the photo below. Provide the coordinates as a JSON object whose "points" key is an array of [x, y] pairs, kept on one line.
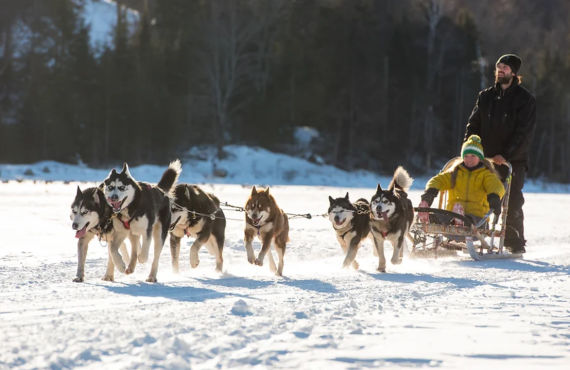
{"points": [[245, 165], [447, 313]]}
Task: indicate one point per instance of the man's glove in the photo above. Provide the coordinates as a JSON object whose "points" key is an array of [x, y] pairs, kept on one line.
{"points": [[494, 203], [429, 195]]}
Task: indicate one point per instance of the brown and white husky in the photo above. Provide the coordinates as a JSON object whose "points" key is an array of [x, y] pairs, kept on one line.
{"points": [[264, 219]]}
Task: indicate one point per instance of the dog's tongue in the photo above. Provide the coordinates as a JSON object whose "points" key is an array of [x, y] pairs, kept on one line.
{"points": [[187, 231], [385, 216], [81, 233]]}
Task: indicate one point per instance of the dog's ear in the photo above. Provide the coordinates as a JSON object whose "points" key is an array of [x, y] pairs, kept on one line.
{"points": [[79, 194], [346, 196], [101, 186], [267, 191], [125, 170], [186, 192], [96, 197], [378, 189], [253, 190], [331, 200], [113, 172]]}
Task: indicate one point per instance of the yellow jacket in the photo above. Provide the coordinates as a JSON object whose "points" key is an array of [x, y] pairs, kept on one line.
{"points": [[471, 188]]}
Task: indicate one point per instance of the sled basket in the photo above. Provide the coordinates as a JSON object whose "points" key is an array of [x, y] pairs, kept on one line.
{"points": [[444, 235]]}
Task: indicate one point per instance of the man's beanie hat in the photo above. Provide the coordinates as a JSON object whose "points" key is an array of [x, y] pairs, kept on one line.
{"points": [[472, 146], [512, 60]]}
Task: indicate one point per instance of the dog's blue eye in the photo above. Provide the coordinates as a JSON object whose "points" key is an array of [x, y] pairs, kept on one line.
{"points": [[83, 213], [121, 188], [111, 188]]}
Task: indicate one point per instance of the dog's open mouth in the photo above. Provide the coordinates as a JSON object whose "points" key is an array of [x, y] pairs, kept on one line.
{"points": [[116, 205], [187, 231], [384, 216], [255, 221], [81, 233], [339, 221]]}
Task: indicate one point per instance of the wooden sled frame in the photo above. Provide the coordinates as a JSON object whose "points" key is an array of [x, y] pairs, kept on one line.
{"points": [[470, 232]]}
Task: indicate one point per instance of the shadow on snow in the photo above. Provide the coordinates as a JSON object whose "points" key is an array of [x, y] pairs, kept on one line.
{"points": [[517, 265], [179, 293], [414, 278]]}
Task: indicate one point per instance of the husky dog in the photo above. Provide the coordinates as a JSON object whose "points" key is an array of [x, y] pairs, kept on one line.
{"points": [[391, 214], [351, 223], [197, 213], [264, 219], [143, 210], [91, 216]]}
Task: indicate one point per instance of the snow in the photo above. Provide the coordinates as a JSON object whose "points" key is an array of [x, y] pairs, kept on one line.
{"points": [[244, 165], [448, 313], [101, 16]]}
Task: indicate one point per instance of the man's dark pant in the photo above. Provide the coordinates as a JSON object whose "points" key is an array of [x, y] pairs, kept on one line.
{"points": [[515, 217]]}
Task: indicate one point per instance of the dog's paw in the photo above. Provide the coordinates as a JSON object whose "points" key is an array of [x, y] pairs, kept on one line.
{"points": [[78, 280], [129, 270], [250, 259], [142, 258], [151, 279], [194, 262], [381, 269], [355, 265], [258, 262], [396, 261], [108, 278]]}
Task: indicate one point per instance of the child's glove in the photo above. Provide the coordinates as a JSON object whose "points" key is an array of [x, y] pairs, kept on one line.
{"points": [[429, 195], [494, 203]]}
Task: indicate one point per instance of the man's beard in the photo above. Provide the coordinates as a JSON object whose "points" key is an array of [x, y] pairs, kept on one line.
{"points": [[505, 80]]}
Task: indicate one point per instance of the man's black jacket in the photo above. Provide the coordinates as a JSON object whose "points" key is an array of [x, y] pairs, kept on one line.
{"points": [[505, 121]]}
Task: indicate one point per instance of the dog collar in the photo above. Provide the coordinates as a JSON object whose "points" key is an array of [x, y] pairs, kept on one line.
{"points": [[126, 223]]}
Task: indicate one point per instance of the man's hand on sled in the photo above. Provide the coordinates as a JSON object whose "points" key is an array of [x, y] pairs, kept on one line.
{"points": [[423, 217], [499, 159], [494, 203]]}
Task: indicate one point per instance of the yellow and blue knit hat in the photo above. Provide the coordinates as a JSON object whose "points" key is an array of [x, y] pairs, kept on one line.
{"points": [[473, 146]]}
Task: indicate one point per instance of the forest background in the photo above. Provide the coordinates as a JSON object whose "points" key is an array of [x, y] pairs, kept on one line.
{"points": [[383, 82]]}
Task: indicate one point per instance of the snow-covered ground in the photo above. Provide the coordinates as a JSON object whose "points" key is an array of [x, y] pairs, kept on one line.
{"points": [[440, 313]]}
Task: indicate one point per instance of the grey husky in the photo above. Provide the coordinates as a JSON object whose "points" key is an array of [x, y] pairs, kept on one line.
{"points": [[142, 210], [391, 215], [91, 217], [350, 221], [197, 214]]}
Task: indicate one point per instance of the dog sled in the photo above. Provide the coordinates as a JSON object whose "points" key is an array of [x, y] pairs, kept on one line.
{"points": [[448, 233]]}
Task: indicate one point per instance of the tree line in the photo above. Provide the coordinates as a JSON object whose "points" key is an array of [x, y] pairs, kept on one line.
{"points": [[385, 82]]}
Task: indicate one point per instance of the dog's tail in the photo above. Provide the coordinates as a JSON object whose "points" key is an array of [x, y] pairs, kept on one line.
{"points": [[170, 176], [401, 180]]}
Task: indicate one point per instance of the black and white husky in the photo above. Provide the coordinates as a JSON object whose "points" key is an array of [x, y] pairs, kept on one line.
{"points": [[391, 215], [351, 224], [197, 214], [91, 217], [142, 210]]}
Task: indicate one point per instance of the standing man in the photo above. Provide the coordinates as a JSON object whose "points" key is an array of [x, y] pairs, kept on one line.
{"points": [[504, 117]]}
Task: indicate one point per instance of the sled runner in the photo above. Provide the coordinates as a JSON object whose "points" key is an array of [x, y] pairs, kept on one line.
{"points": [[449, 232]]}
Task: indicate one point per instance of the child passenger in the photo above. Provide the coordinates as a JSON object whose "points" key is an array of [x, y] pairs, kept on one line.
{"points": [[473, 185]]}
